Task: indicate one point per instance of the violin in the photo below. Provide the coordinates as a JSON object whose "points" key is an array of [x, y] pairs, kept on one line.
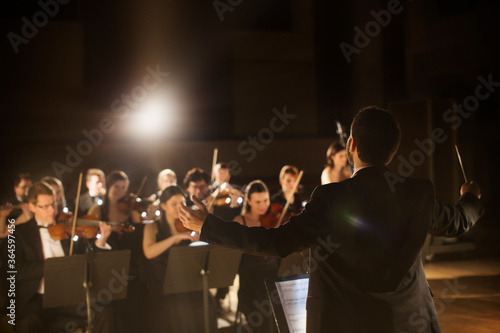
{"points": [[133, 202], [274, 217], [87, 227]]}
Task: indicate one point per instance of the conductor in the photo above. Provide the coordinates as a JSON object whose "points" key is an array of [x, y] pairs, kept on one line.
{"points": [[365, 233]]}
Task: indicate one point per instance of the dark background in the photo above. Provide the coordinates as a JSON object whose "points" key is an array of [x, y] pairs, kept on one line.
{"points": [[227, 76]]}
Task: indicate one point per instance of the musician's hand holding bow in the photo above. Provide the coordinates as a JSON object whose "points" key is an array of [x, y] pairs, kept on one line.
{"points": [[105, 231], [193, 218]]}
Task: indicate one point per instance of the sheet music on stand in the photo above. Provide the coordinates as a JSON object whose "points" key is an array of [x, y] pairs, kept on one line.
{"points": [[292, 291]]}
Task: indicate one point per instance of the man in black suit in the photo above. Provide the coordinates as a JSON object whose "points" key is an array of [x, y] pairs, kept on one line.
{"points": [[365, 233], [96, 184], [33, 244]]}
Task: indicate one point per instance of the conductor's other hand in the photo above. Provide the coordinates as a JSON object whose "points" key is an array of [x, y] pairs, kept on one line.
{"points": [[471, 187], [193, 218]]}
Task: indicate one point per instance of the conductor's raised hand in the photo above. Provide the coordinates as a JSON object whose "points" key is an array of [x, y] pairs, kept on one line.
{"points": [[471, 187], [193, 218]]}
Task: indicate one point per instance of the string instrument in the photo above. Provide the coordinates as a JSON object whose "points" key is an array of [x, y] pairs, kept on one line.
{"points": [[275, 216], [132, 201], [86, 227]]}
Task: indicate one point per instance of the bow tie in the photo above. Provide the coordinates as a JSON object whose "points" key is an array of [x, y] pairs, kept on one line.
{"points": [[42, 227]]}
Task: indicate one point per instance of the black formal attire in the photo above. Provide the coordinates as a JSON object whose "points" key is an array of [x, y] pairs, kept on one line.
{"points": [[86, 201], [365, 235], [252, 293], [182, 312], [130, 311], [30, 268]]}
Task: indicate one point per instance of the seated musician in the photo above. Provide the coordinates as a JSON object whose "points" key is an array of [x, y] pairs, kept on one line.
{"points": [[96, 185], [254, 270], [336, 168], [226, 198], [169, 313], [60, 198], [166, 178], [288, 177], [196, 183], [118, 207], [21, 213], [33, 245]]}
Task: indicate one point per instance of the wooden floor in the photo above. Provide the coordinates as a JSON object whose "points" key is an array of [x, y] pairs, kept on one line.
{"points": [[466, 294]]}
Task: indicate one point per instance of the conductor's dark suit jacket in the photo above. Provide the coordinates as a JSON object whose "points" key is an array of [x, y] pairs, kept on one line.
{"points": [[365, 235]]}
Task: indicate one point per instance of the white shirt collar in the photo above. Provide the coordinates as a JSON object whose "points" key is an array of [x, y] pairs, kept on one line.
{"points": [[356, 170]]}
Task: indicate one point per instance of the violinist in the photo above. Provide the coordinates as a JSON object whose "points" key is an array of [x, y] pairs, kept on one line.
{"points": [[288, 177], [336, 168], [118, 207], [166, 178], [96, 185], [21, 213], [226, 198], [60, 198], [33, 245], [168, 313], [114, 208], [253, 269], [196, 183]]}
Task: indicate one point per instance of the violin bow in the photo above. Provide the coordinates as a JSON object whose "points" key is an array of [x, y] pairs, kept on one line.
{"points": [[75, 213], [290, 198], [142, 185], [214, 162], [213, 196], [461, 165]]}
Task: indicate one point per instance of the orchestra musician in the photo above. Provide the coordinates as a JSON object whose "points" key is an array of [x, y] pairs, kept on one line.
{"points": [[96, 185], [33, 245], [119, 207], [21, 214], [166, 178], [288, 177], [196, 183], [253, 269], [336, 168], [226, 198], [178, 312], [60, 198], [368, 230]]}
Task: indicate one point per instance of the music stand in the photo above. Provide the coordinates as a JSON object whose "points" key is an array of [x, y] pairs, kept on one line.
{"points": [[71, 280], [287, 296], [200, 268]]}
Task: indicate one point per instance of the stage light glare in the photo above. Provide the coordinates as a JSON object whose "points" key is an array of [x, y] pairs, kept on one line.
{"points": [[153, 117]]}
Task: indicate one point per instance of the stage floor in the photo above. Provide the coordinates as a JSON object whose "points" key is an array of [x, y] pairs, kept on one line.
{"points": [[466, 294]]}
